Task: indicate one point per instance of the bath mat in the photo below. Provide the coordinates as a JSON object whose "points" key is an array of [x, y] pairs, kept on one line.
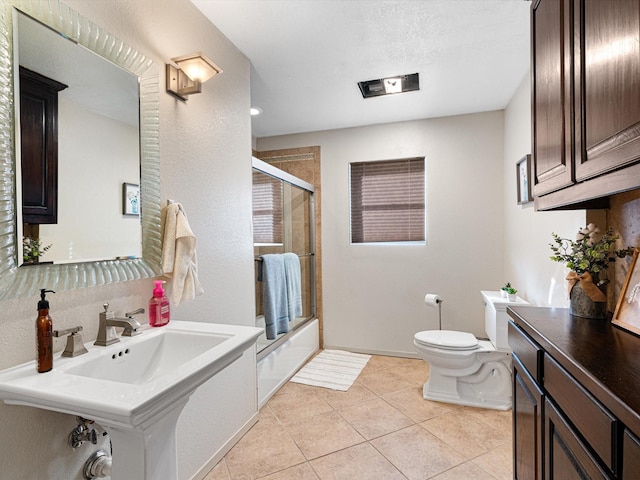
{"points": [[334, 369]]}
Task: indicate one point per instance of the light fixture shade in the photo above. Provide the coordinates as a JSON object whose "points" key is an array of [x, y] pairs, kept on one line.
{"points": [[197, 67]]}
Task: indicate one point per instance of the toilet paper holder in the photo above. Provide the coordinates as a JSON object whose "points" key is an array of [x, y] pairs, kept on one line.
{"points": [[434, 300]]}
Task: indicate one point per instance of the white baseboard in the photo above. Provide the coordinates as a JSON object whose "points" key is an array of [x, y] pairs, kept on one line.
{"points": [[370, 351]]}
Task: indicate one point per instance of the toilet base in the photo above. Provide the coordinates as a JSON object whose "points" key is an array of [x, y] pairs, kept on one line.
{"points": [[490, 403], [488, 387]]}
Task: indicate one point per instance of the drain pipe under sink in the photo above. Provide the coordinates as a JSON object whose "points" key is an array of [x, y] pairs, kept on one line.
{"points": [[98, 465]]}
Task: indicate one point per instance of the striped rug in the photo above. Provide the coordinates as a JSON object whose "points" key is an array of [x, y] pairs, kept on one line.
{"points": [[334, 369]]}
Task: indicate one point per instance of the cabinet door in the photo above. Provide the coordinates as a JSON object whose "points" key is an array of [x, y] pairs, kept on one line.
{"points": [[527, 425], [631, 456], [552, 101], [566, 457], [607, 85], [39, 147]]}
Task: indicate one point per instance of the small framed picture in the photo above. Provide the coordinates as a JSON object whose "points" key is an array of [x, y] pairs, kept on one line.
{"points": [[131, 199], [627, 314], [523, 171]]}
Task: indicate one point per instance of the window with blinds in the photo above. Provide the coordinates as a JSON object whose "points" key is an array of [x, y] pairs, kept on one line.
{"points": [[388, 201], [267, 209]]}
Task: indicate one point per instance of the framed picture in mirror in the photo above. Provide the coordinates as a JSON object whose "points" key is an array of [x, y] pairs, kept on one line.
{"points": [[130, 199]]}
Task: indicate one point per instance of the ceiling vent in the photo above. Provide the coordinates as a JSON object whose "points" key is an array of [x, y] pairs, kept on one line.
{"points": [[389, 85]]}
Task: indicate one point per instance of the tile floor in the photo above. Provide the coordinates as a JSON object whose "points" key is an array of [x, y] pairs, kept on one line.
{"points": [[381, 429]]}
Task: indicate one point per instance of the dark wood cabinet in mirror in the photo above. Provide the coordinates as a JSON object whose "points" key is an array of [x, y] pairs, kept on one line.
{"points": [[39, 146]]}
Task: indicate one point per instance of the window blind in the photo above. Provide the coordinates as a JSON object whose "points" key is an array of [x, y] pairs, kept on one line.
{"points": [[388, 201], [267, 209]]}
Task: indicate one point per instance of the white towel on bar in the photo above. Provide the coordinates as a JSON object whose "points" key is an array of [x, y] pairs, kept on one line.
{"points": [[179, 261], [294, 287]]}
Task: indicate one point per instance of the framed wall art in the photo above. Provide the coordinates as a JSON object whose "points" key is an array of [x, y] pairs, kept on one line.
{"points": [[627, 314], [524, 177]]}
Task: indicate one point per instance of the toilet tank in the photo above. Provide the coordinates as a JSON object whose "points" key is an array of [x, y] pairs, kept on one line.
{"points": [[496, 318]]}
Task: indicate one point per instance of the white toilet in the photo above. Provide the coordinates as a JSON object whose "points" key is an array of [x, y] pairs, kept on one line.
{"points": [[467, 371]]}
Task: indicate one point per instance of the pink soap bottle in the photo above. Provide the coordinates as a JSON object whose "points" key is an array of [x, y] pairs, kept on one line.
{"points": [[159, 312]]}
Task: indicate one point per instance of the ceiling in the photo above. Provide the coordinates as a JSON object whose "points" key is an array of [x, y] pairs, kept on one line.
{"points": [[308, 55]]}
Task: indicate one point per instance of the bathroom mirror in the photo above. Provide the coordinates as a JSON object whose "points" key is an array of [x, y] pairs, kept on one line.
{"points": [[25, 281], [98, 148]]}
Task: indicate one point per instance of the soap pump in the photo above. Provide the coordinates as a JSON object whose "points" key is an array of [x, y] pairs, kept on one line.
{"points": [[159, 309], [44, 334]]}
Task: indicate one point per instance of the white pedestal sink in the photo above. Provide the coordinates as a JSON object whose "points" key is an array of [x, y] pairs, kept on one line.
{"points": [[136, 389]]}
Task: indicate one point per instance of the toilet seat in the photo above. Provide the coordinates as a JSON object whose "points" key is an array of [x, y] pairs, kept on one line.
{"points": [[447, 340]]}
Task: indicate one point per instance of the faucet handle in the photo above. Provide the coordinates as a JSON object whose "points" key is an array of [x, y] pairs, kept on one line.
{"points": [[135, 312], [107, 314], [74, 345]]}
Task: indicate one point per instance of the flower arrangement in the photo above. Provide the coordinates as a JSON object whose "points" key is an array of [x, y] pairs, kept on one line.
{"points": [[32, 249], [591, 252]]}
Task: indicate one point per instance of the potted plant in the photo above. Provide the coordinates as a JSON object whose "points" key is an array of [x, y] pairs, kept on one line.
{"points": [[32, 250], [503, 290], [587, 258], [511, 293]]}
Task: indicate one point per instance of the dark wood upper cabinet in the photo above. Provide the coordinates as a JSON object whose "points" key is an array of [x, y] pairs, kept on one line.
{"points": [[607, 74], [552, 95], [39, 147], [585, 101]]}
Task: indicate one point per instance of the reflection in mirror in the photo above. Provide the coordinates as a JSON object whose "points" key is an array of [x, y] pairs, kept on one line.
{"points": [[98, 148], [17, 282]]}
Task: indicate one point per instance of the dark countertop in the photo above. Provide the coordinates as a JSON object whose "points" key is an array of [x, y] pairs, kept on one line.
{"points": [[603, 358]]}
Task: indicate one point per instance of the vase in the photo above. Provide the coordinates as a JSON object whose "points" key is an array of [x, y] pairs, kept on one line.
{"points": [[581, 305]]}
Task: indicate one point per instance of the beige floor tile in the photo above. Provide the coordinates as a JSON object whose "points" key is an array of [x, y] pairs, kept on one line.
{"points": [[297, 403], [500, 419], [417, 453], [410, 402], [299, 472], [266, 415], [303, 427], [466, 471], [383, 381], [395, 363], [265, 449], [498, 462], [357, 393], [323, 434], [416, 371], [375, 418], [219, 472], [354, 463], [465, 433]]}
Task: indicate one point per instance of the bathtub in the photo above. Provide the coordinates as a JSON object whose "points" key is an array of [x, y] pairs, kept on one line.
{"points": [[280, 361]]}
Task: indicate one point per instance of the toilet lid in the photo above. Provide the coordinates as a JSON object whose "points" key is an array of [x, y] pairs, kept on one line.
{"points": [[448, 339]]}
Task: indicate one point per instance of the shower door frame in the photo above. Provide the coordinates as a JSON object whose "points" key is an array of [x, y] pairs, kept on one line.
{"points": [[270, 170]]}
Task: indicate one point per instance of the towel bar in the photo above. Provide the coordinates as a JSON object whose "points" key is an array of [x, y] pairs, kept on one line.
{"points": [[259, 259]]}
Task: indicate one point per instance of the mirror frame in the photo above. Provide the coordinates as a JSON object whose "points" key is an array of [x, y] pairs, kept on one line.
{"points": [[27, 281]]}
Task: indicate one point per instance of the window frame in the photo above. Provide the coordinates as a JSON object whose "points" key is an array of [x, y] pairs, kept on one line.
{"points": [[424, 232]]}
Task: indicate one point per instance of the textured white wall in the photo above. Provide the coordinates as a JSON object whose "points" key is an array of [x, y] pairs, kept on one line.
{"points": [[91, 173], [528, 233], [205, 151], [373, 294]]}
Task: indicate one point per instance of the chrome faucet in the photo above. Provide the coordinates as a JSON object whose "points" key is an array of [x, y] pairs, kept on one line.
{"points": [[106, 329]]}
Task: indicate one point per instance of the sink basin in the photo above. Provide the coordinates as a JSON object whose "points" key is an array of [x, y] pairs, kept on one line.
{"points": [[135, 388], [156, 354]]}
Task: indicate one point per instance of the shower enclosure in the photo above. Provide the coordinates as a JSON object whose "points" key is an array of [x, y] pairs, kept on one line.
{"points": [[283, 222]]}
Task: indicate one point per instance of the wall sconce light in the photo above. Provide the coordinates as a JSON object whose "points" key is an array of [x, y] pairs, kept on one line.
{"points": [[189, 75]]}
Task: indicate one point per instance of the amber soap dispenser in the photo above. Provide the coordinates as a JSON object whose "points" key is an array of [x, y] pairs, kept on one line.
{"points": [[44, 334]]}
